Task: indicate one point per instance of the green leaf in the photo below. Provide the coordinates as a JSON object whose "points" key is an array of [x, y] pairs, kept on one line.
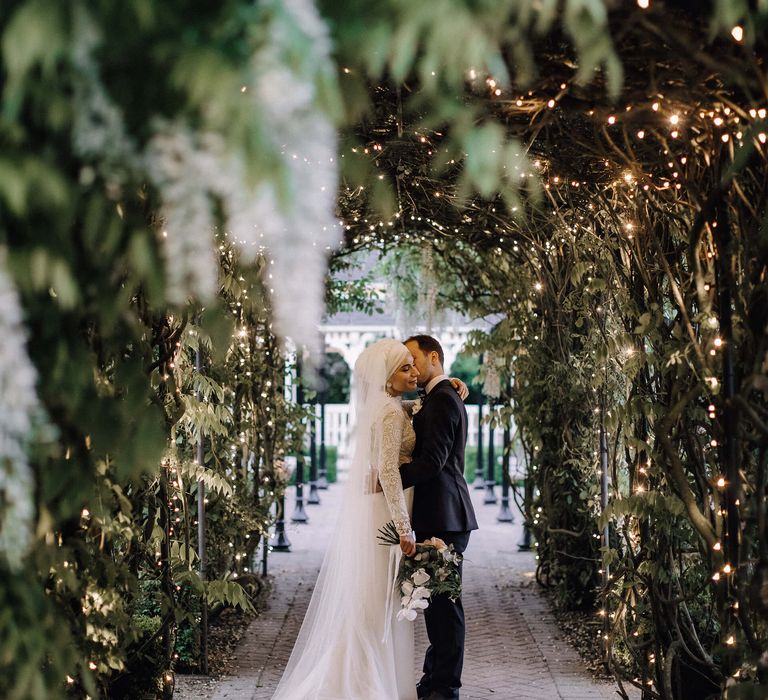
{"points": [[403, 50], [36, 34], [484, 147]]}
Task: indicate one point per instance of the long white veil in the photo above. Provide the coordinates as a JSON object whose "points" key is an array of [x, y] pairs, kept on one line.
{"points": [[337, 653]]}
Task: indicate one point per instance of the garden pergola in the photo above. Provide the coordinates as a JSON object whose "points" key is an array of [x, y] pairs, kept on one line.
{"points": [[593, 173]]}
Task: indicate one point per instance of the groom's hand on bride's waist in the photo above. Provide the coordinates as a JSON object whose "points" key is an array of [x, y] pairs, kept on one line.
{"points": [[408, 544]]}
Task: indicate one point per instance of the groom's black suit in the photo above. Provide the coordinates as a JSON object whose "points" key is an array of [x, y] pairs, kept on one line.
{"points": [[441, 508]]}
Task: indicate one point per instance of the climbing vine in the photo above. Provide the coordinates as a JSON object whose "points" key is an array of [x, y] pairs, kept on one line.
{"points": [[588, 173], [628, 307]]}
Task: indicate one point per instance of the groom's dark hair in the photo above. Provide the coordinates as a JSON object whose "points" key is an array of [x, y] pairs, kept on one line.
{"points": [[427, 343]]}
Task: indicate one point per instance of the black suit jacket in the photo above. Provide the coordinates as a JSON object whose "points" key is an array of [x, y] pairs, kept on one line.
{"points": [[441, 501]]}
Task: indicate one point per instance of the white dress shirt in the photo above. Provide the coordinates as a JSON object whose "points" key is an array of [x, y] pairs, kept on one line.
{"points": [[435, 381]]}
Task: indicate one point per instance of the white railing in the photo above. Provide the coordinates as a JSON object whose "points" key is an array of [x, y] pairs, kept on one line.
{"points": [[337, 426]]}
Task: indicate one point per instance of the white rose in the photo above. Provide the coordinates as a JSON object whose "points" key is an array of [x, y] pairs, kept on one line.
{"points": [[420, 577], [416, 407]]}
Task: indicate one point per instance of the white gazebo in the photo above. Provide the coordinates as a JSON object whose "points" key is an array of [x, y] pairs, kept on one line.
{"points": [[349, 333]]}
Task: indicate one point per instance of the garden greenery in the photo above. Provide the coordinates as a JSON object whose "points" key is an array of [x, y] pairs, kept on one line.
{"points": [[628, 303], [164, 169]]}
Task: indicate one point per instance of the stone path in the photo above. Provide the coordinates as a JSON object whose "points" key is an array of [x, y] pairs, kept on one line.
{"points": [[514, 650]]}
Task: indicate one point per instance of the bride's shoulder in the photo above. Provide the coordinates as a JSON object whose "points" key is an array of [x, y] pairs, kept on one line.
{"points": [[392, 407]]}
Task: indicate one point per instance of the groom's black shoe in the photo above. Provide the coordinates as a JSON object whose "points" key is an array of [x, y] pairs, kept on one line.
{"points": [[424, 686], [434, 695]]}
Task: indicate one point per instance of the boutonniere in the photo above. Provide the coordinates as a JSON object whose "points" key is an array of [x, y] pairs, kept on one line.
{"points": [[416, 407]]}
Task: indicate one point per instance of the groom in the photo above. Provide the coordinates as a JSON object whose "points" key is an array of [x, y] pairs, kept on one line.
{"points": [[441, 508]]}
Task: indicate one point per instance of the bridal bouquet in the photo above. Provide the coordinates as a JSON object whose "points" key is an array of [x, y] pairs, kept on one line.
{"points": [[433, 570]]}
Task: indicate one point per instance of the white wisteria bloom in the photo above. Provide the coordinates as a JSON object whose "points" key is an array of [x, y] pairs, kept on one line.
{"points": [[184, 171], [293, 213], [492, 383], [18, 405], [98, 126], [286, 211], [288, 214]]}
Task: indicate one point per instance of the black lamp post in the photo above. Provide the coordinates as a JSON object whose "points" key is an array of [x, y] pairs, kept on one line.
{"points": [[490, 477], [280, 541], [299, 514], [322, 395], [314, 496], [505, 514], [528, 487], [479, 482], [322, 475]]}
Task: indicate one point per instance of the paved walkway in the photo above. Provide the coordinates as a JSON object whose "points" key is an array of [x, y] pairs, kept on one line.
{"points": [[514, 650]]}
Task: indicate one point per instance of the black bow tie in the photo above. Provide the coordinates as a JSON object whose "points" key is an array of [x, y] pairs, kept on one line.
{"points": [[422, 392]]}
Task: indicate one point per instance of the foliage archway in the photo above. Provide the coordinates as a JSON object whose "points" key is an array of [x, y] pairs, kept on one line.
{"points": [[128, 136], [633, 299]]}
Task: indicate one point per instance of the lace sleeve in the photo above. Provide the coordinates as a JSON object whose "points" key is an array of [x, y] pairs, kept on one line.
{"points": [[389, 469]]}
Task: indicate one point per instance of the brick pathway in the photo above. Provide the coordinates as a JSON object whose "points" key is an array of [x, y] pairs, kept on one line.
{"points": [[514, 650]]}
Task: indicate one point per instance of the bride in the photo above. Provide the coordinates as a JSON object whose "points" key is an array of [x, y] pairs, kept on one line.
{"points": [[350, 646]]}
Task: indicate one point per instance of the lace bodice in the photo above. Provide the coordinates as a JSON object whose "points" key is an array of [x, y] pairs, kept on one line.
{"points": [[394, 448]]}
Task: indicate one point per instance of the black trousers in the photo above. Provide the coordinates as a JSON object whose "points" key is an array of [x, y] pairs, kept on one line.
{"points": [[445, 629]]}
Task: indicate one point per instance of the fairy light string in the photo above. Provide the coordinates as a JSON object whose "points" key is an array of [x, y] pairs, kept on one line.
{"points": [[624, 164]]}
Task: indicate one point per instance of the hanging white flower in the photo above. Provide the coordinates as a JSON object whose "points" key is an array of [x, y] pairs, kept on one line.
{"points": [[184, 170], [287, 215], [293, 213], [18, 404], [492, 383], [98, 127], [287, 212], [174, 162]]}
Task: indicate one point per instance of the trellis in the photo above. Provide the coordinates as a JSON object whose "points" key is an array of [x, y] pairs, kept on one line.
{"points": [[651, 209]]}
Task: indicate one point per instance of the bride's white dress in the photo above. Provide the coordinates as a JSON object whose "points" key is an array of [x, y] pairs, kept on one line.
{"points": [[351, 647]]}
